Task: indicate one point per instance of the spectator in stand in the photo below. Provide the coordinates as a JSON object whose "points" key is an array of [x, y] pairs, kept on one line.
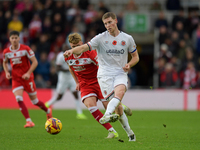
{"points": [[102, 7], [155, 6], [175, 43], [161, 20], [27, 15], [163, 34], [169, 77], [180, 17], [46, 26], [189, 57], [79, 23], [35, 27], [165, 53], [190, 76], [53, 77], [15, 24], [1, 21], [7, 19], [83, 4], [39, 81], [90, 14], [180, 30], [58, 24], [43, 45], [131, 6], [48, 7], [173, 4], [196, 39], [43, 67], [182, 49]]}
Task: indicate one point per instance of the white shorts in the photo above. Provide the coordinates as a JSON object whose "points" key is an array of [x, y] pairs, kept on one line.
{"points": [[65, 81], [108, 84]]}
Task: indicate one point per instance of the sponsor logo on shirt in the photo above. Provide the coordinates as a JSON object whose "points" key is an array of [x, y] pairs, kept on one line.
{"points": [[115, 51]]}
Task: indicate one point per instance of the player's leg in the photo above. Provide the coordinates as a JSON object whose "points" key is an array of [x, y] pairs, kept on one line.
{"points": [[125, 124], [60, 90], [18, 92], [54, 99], [79, 111], [107, 88], [90, 103], [30, 88], [40, 104], [72, 88]]}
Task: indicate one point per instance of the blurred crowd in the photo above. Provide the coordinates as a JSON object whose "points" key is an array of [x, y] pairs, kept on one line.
{"points": [[44, 25], [178, 64]]}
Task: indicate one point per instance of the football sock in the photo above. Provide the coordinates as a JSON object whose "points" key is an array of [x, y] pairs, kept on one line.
{"points": [[28, 119], [23, 109], [97, 114], [78, 106], [114, 102], [124, 122], [40, 104]]}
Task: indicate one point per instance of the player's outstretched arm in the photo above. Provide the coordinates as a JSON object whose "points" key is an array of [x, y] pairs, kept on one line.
{"points": [[5, 67], [76, 50]]}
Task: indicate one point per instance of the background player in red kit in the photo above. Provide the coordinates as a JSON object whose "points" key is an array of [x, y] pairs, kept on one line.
{"points": [[84, 68], [22, 75]]}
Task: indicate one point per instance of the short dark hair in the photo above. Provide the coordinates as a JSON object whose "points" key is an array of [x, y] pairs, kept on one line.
{"points": [[14, 33]]}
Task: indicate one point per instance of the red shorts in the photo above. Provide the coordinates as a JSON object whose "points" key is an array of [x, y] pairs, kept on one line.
{"points": [[91, 90], [27, 85]]}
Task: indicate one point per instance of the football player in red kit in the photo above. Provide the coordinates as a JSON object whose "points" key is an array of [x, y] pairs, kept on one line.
{"points": [[22, 75]]}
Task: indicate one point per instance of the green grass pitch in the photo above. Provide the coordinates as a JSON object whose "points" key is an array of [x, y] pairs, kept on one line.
{"points": [[156, 130]]}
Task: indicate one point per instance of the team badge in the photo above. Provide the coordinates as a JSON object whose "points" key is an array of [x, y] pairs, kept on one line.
{"points": [[105, 92], [15, 54], [77, 62], [106, 42], [114, 42], [123, 43]]}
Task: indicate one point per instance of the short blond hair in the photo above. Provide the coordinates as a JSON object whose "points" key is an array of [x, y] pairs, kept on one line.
{"points": [[74, 38], [109, 14]]}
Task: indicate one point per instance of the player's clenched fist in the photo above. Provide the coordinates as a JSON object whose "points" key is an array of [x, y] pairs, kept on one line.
{"points": [[67, 53]]}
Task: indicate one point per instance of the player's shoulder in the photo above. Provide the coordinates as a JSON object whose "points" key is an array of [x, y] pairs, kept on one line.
{"points": [[23, 46], [125, 34], [6, 50]]}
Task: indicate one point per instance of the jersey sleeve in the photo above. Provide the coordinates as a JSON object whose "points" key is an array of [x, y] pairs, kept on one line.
{"points": [[5, 58], [60, 59], [94, 42], [132, 45], [30, 52], [93, 56]]}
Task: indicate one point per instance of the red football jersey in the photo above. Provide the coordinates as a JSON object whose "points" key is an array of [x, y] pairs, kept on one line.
{"points": [[19, 60], [84, 66]]}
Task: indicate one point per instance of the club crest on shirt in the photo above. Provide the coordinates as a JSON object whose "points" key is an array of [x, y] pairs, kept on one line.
{"points": [[77, 62], [123, 43], [15, 54], [105, 92], [106, 42], [114, 42]]}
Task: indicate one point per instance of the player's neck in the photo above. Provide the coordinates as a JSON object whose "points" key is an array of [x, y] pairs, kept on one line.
{"points": [[15, 47], [115, 33]]}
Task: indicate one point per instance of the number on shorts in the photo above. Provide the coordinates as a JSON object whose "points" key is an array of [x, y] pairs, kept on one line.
{"points": [[31, 85]]}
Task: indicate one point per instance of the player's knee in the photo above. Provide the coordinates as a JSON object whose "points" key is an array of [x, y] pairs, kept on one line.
{"points": [[35, 101], [19, 98]]}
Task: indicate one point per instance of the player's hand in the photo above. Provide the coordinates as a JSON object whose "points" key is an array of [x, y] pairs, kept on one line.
{"points": [[77, 86], [26, 76], [126, 68], [8, 76], [67, 53]]}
